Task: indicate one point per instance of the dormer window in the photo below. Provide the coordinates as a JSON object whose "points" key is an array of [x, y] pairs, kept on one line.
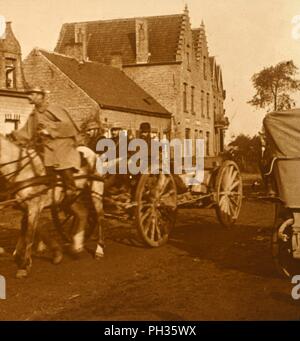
{"points": [[10, 73]]}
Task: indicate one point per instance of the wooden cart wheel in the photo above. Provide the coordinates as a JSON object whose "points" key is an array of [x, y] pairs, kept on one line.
{"points": [[156, 199], [228, 193], [286, 265]]}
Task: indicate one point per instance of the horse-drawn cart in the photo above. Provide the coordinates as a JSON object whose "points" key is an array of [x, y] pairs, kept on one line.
{"points": [[153, 199]]}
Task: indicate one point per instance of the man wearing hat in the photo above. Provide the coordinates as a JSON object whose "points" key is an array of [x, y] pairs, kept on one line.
{"points": [[52, 132], [93, 133], [145, 132], [115, 131]]}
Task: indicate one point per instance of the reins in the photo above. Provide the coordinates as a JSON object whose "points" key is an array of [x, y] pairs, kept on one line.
{"points": [[9, 176]]}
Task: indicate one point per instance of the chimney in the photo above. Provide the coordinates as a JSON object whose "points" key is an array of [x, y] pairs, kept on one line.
{"points": [[116, 60], [142, 41], [81, 41]]}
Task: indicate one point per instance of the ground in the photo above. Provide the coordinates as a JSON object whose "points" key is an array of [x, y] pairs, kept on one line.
{"points": [[205, 272]]}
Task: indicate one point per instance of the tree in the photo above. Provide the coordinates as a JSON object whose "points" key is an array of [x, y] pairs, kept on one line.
{"points": [[273, 86], [246, 152]]}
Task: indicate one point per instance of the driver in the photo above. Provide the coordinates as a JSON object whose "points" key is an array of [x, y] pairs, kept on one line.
{"points": [[51, 128]]}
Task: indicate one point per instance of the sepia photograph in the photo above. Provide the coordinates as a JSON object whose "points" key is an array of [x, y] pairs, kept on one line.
{"points": [[149, 162]]}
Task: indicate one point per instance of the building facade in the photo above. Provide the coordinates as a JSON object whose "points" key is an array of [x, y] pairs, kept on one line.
{"points": [[14, 104], [168, 59]]}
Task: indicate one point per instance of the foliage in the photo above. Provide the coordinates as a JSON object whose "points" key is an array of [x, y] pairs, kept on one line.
{"points": [[246, 152], [274, 85]]}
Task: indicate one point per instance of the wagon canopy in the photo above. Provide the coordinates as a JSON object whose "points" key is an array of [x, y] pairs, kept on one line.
{"points": [[283, 141], [283, 133]]}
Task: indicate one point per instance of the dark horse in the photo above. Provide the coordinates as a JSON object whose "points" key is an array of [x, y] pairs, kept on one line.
{"points": [[23, 169]]}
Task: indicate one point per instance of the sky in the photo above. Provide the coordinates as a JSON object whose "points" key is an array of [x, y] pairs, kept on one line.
{"points": [[245, 36]]}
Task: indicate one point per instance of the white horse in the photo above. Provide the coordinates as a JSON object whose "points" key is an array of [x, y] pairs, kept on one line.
{"points": [[23, 170]]}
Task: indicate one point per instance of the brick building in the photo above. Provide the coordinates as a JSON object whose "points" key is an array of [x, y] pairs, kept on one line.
{"points": [[14, 105], [168, 59], [90, 89]]}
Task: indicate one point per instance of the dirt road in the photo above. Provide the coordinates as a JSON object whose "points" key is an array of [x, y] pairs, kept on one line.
{"points": [[204, 273]]}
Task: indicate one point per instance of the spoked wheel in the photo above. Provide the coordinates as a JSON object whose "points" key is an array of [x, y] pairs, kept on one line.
{"points": [[282, 243], [156, 199], [228, 193]]}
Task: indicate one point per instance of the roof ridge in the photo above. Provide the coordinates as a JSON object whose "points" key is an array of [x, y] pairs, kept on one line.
{"points": [[84, 61], [122, 19], [55, 53]]}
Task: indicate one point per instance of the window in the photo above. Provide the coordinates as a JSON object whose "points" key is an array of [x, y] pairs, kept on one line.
{"points": [[204, 68], [215, 107], [13, 119], [207, 142], [207, 105], [202, 103], [187, 149], [10, 73], [188, 61], [187, 133], [185, 97], [193, 100]]}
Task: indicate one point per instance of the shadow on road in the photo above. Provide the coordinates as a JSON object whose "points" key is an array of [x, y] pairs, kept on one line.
{"points": [[243, 247]]}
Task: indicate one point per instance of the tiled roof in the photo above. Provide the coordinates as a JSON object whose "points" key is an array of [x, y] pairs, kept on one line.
{"points": [[108, 86], [108, 37]]}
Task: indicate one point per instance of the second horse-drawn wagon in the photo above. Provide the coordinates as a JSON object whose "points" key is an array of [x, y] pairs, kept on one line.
{"points": [[282, 160], [151, 200]]}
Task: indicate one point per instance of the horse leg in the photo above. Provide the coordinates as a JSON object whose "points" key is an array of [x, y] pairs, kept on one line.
{"points": [[23, 254], [97, 199], [80, 222], [48, 241], [21, 240]]}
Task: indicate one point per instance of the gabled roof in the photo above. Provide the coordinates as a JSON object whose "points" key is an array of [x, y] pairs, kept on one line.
{"points": [[108, 37], [216, 73], [108, 86]]}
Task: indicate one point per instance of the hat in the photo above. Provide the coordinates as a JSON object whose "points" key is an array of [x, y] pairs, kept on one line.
{"points": [[116, 126], [38, 90], [145, 127]]}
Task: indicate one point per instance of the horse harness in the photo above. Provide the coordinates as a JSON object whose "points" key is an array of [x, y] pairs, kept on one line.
{"points": [[38, 180]]}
